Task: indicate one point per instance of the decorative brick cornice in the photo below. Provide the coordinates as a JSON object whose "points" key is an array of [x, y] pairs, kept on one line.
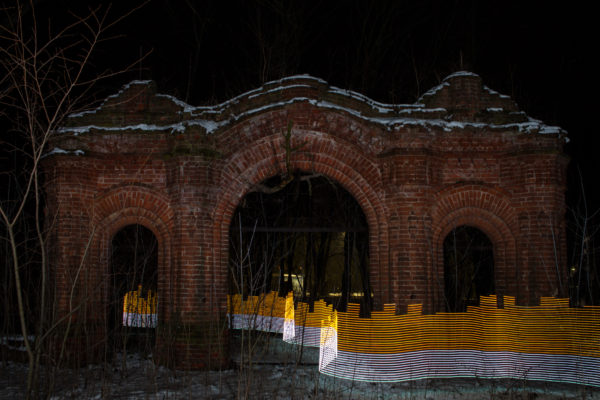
{"points": [[461, 103]]}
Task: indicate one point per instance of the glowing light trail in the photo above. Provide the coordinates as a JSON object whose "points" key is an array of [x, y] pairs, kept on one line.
{"points": [[549, 342]]}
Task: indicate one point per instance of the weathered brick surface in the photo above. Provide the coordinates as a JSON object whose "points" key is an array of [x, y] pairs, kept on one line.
{"points": [[462, 155]]}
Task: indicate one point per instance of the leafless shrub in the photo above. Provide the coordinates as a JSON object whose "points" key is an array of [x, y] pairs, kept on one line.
{"points": [[45, 74]]}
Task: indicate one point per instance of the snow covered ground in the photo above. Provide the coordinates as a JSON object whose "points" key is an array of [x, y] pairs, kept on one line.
{"points": [[278, 371], [141, 379]]}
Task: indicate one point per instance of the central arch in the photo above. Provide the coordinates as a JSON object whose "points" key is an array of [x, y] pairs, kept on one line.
{"points": [[303, 233], [321, 154]]}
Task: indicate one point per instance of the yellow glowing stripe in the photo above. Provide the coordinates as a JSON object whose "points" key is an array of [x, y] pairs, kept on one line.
{"points": [[550, 328], [322, 312], [546, 342], [134, 303], [268, 305]]}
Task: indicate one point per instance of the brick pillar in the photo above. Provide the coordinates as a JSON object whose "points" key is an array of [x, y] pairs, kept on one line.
{"points": [[76, 281], [195, 334]]}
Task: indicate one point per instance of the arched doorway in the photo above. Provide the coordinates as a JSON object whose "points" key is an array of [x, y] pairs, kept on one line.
{"points": [[134, 272], [468, 268], [304, 234]]}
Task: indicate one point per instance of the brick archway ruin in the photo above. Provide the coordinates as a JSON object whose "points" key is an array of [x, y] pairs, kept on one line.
{"points": [[461, 155]]}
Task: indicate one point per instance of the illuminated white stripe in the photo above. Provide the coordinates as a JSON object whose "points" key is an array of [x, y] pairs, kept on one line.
{"points": [[303, 335], [488, 342], [463, 363], [257, 322], [328, 351], [140, 320], [289, 330]]}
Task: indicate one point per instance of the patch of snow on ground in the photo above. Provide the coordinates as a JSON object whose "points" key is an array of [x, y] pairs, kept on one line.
{"points": [[278, 370]]}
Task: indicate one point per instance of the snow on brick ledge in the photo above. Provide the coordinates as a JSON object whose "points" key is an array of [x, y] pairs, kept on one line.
{"points": [[460, 102]]}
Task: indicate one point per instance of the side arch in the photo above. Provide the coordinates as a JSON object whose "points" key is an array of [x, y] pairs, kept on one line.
{"points": [[132, 197], [320, 154], [128, 205], [488, 210]]}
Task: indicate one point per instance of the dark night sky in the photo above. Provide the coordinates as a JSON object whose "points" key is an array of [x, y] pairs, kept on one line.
{"points": [[392, 51]]}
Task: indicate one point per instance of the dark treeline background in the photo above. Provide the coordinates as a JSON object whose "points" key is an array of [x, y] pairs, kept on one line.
{"points": [[204, 52]]}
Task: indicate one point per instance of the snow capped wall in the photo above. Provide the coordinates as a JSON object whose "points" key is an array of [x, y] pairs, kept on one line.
{"points": [[461, 101]]}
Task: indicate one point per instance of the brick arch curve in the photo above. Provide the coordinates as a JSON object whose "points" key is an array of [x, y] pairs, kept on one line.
{"points": [[133, 197], [488, 210], [324, 155], [130, 205], [344, 127]]}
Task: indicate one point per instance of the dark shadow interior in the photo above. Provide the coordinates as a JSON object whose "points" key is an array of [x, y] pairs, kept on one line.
{"points": [[134, 266], [468, 268], [304, 234]]}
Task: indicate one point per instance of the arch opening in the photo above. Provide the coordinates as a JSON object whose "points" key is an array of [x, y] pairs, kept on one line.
{"points": [[133, 289], [304, 234], [468, 268]]}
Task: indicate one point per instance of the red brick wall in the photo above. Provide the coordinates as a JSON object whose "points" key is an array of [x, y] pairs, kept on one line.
{"points": [[462, 155]]}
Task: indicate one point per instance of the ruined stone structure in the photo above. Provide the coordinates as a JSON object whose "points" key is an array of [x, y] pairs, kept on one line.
{"points": [[463, 154]]}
